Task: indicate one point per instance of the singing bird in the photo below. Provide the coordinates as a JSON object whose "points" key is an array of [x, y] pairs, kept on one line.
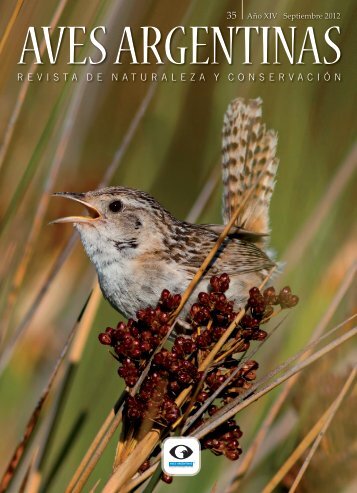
{"points": [[139, 248]]}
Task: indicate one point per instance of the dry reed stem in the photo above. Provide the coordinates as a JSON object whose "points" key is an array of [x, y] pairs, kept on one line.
{"points": [[74, 355], [26, 320], [66, 134], [220, 343], [9, 131], [237, 405], [134, 124], [24, 486], [215, 394], [342, 178], [37, 221], [142, 477], [297, 453], [32, 422], [10, 24], [206, 362], [190, 405], [119, 448], [20, 449], [35, 158], [128, 443], [93, 454], [205, 264], [205, 195], [334, 408], [281, 367], [281, 399], [214, 488], [34, 482], [125, 447], [130, 466], [90, 451], [92, 490], [86, 324]]}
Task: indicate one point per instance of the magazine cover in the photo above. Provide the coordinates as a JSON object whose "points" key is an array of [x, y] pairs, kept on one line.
{"points": [[178, 246]]}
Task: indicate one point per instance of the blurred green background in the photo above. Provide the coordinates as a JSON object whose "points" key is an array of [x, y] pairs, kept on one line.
{"points": [[67, 136]]}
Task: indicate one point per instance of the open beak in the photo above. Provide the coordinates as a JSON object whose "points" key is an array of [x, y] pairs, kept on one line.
{"points": [[94, 214]]}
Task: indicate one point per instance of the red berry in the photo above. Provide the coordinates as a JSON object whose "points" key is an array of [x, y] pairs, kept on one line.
{"points": [[294, 300], [232, 454], [104, 338], [204, 298], [165, 295], [166, 478]]}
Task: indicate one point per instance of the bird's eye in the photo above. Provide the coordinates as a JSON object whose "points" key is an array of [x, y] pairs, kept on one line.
{"points": [[116, 206]]}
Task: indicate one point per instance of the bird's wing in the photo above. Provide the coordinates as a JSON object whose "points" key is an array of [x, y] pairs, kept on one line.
{"points": [[248, 155], [240, 256], [235, 256]]}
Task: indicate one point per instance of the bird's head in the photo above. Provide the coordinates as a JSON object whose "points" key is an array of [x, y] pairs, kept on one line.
{"points": [[118, 219]]}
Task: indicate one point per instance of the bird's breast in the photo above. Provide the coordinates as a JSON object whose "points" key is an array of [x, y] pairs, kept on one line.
{"points": [[131, 285]]}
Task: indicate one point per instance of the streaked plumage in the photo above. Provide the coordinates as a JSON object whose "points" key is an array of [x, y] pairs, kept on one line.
{"points": [[141, 249], [247, 149]]}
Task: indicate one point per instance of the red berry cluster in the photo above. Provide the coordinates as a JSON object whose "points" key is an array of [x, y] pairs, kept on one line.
{"points": [[224, 440], [241, 381], [259, 309], [170, 373], [286, 299], [135, 341], [152, 401], [213, 306], [177, 368]]}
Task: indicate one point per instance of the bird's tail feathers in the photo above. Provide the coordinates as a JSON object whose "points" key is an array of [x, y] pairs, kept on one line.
{"points": [[248, 160]]}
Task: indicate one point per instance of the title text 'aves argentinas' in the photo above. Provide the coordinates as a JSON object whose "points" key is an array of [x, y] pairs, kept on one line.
{"points": [[195, 45]]}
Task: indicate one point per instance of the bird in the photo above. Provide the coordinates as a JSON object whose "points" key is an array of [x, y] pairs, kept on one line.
{"points": [[139, 248]]}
